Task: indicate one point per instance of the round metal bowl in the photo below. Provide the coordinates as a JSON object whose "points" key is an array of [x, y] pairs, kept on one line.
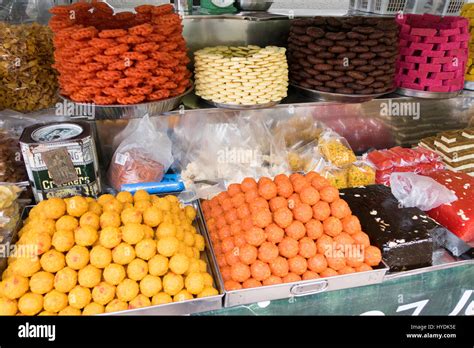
{"points": [[426, 95], [253, 5], [104, 112], [337, 97]]}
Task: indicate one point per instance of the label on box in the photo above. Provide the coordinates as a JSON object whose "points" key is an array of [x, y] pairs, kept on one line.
{"points": [[60, 166]]}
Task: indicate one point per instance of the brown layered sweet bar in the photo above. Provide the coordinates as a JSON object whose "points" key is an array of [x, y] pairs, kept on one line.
{"points": [[353, 55]]}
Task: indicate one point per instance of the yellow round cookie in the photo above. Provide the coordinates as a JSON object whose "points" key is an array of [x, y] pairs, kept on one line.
{"points": [[89, 276], [199, 242], [105, 198], [152, 216], [85, 235], [183, 295], [55, 301], [53, 261], [79, 297], [194, 283], [100, 256], [65, 280], [14, 286], [77, 206], [137, 269], [162, 204], [179, 264], [140, 301], [123, 254], [66, 222], [141, 195], [116, 306], [41, 283], [30, 304], [208, 280], [166, 229], [194, 266], [172, 283], [161, 298], [93, 308], [8, 307], [127, 290], [112, 205], [54, 208], [131, 216], [188, 239], [142, 205], [78, 257], [91, 220], [103, 293], [124, 197], [95, 208], [63, 240], [70, 311], [149, 232], [146, 249], [26, 266], [158, 265], [110, 237], [150, 285], [132, 233], [46, 313], [40, 242], [110, 219], [208, 291], [114, 274], [167, 246]]}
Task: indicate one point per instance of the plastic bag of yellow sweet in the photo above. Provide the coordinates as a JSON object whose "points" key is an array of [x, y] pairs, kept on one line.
{"points": [[360, 173], [335, 149], [335, 175]]}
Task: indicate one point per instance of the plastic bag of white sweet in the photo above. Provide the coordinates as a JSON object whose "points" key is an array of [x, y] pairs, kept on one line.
{"points": [[425, 193]]}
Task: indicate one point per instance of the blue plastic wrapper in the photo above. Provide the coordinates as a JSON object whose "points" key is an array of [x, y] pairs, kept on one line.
{"points": [[170, 183]]}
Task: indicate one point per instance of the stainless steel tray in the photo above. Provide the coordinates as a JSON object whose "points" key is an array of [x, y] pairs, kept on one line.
{"points": [[305, 287], [337, 97], [176, 308], [198, 304], [104, 112], [426, 95], [469, 85], [241, 107]]}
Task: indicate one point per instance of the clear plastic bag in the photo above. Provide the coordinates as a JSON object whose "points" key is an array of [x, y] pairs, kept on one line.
{"points": [[227, 149], [413, 190], [27, 80], [144, 155], [336, 176], [335, 149], [360, 173], [9, 208]]}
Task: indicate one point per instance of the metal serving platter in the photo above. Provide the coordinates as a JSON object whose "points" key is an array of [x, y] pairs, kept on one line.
{"points": [[469, 85], [427, 95], [304, 287], [107, 112], [241, 107], [337, 97]]}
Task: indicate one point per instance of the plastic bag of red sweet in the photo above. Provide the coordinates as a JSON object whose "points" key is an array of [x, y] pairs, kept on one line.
{"points": [[119, 58]]}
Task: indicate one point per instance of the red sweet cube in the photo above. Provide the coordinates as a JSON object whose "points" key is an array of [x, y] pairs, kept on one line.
{"points": [[422, 46], [449, 32], [430, 67], [436, 39], [381, 159], [438, 88], [458, 216], [414, 59]]}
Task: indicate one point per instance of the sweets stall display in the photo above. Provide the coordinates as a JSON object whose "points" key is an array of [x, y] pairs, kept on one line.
{"points": [[143, 211]]}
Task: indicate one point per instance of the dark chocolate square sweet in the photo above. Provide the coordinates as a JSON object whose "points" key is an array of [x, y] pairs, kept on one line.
{"points": [[403, 234]]}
